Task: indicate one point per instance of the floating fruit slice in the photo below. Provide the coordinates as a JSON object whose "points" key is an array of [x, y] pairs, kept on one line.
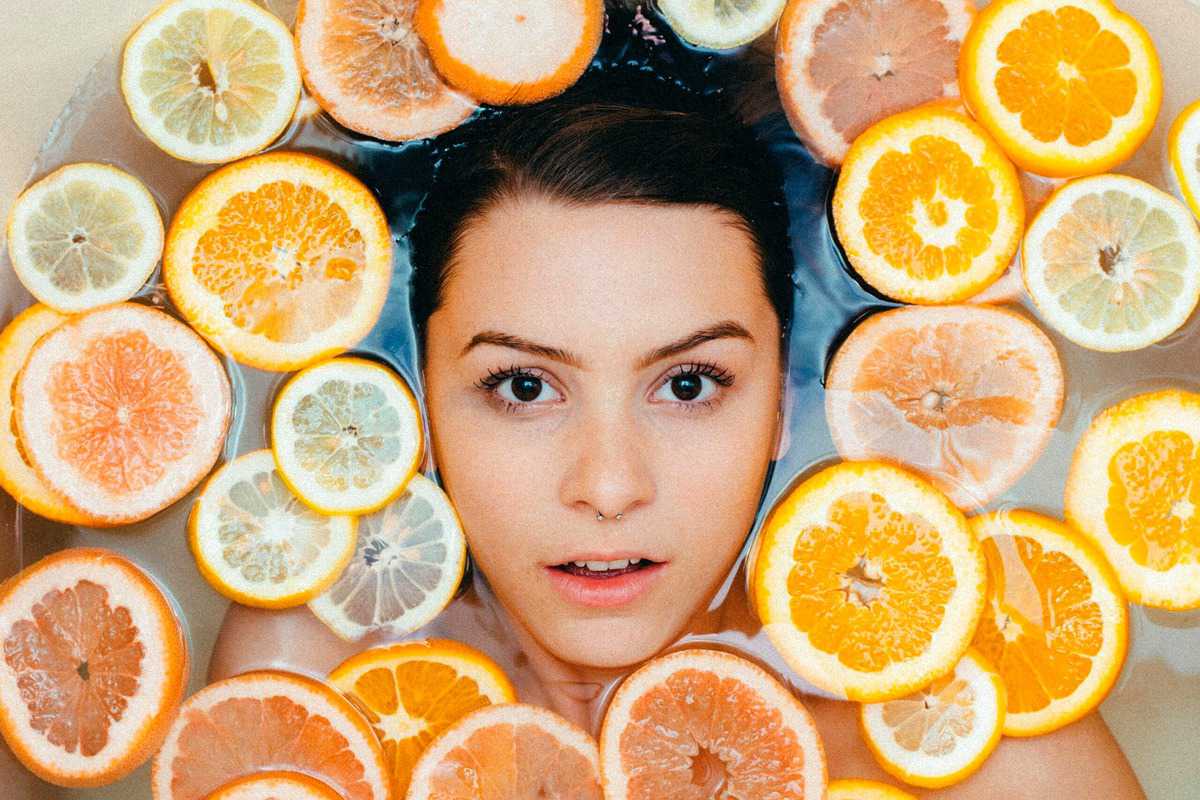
{"points": [[84, 236], [967, 395], [276, 785], [1055, 626], [1113, 263], [1134, 491], [211, 80], [413, 691], [855, 789], [94, 667], [1183, 150], [843, 66], [366, 66], [268, 720], [868, 581], [347, 435], [704, 723], [504, 52], [509, 750], [927, 208], [282, 260], [122, 411], [258, 544], [1067, 88], [407, 565], [720, 24]]}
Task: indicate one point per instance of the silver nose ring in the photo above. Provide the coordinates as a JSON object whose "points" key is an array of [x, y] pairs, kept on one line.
{"points": [[600, 516]]}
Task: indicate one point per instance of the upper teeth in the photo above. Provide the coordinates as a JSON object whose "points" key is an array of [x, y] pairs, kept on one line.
{"points": [[602, 566]]}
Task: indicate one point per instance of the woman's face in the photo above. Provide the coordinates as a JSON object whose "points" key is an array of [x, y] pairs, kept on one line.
{"points": [[616, 358]]}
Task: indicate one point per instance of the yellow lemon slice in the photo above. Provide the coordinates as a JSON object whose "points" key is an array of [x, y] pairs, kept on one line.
{"points": [[720, 24], [857, 789], [1183, 147]]}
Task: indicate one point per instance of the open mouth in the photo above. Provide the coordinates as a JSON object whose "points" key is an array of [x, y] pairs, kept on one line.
{"points": [[605, 569]]}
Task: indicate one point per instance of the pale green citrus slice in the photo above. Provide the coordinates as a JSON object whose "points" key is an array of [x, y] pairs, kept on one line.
{"points": [[721, 24]]}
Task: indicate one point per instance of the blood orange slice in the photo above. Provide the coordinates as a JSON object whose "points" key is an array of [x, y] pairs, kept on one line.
{"points": [[275, 785], [94, 667], [703, 723], [122, 411]]}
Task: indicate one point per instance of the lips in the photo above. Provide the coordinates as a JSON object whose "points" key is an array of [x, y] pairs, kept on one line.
{"points": [[604, 582]]}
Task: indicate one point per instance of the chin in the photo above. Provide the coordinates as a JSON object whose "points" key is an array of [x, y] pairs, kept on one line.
{"points": [[614, 643]]}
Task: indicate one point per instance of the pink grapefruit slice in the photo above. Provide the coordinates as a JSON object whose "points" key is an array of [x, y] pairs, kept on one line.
{"points": [[276, 785]]}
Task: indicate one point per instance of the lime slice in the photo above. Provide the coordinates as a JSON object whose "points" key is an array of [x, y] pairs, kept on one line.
{"points": [[721, 24]]}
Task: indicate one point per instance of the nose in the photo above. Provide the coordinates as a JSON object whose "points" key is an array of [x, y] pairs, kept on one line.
{"points": [[608, 469]]}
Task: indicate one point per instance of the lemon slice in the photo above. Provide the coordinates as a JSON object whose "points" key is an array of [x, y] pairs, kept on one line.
{"points": [[84, 236], [347, 435], [1183, 145], [1113, 263], [406, 567], [721, 24], [257, 544], [211, 81]]}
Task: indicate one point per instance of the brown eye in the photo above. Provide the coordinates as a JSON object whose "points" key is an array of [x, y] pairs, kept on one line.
{"points": [[526, 388], [686, 387]]}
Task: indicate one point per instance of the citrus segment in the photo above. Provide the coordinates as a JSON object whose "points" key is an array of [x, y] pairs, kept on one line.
{"points": [[704, 723], [868, 581], [855, 789], [1113, 263], [84, 236], [1055, 625], [927, 208], [276, 786], [1134, 490], [967, 395], [122, 411], [281, 260], [367, 67], [408, 562], [268, 721], [511, 51], [94, 667], [257, 544], [843, 65], [413, 691], [509, 750], [720, 24], [211, 80], [1183, 149], [1068, 87]]}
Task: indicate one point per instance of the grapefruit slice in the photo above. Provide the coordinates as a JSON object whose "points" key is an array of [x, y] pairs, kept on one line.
{"points": [[856, 789], [843, 65], [95, 663], [1183, 150], [967, 395], [704, 723], [511, 52], [278, 785], [122, 411], [267, 721], [720, 24]]}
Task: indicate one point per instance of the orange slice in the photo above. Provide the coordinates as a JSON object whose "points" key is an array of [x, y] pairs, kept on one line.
{"points": [[509, 750], [1134, 491], [267, 721], [281, 260], [122, 411], [1068, 87], [1055, 625], [1183, 151], [843, 66], [366, 66], [868, 581], [95, 663], [278, 785], [508, 52], [855, 789], [942, 734], [927, 207], [413, 691], [967, 395], [704, 723]]}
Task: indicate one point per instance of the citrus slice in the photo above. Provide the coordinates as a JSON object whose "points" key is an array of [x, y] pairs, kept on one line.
{"points": [[966, 395], [84, 236], [942, 734], [1055, 626], [268, 721], [281, 260], [211, 81], [407, 564], [704, 723], [1067, 87], [276, 785], [366, 66], [95, 663], [509, 750], [1183, 149], [1134, 491], [720, 24], [122, 411], [510, 51], [347, 435], [927, 208], [856, 789], [843, 65], [258, 544], [413, 691], [868, 581], [1113, 263]]}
